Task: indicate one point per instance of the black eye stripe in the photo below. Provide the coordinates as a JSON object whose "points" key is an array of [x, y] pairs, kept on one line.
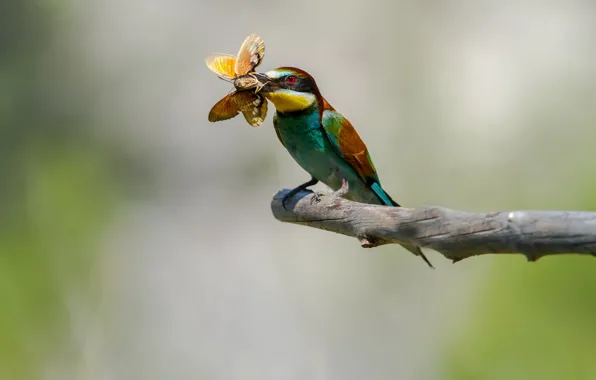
{"points": [[300, 84]]}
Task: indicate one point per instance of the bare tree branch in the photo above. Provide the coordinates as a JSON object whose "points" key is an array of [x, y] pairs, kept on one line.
{"points": [[455, 234]]}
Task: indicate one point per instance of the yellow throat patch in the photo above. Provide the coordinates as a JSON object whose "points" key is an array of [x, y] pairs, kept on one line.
{"points": [[290, 101]]}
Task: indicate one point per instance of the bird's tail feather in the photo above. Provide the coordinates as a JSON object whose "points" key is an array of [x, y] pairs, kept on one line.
{"points": [[418, 252], [383, 196]]}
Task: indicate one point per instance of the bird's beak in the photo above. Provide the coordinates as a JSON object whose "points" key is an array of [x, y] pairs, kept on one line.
{"points": [[266, 83]]}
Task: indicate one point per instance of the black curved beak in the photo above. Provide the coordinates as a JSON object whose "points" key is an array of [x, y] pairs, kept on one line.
{"points": [[267, 84]]}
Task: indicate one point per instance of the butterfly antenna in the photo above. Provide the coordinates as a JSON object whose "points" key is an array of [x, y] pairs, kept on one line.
{"points": [[225, 79]]}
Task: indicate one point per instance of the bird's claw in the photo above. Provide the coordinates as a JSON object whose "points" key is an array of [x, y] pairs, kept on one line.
{"points": [[303, 187], [343, 190], [316, 198]]}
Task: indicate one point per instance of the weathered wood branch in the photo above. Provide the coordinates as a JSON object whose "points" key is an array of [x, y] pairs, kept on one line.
{"points": [[455, 234]]}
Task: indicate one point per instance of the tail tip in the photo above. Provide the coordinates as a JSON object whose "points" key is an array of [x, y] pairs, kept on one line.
{"points": [[426, 260]]}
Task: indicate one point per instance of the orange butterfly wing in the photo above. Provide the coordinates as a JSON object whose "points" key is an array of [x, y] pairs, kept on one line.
{"points": [[252, 106], [222, 64], [223, 110]]}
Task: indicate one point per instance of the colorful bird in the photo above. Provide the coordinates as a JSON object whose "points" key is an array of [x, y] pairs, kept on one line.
{"points": [[240, 71], [321, 140]]}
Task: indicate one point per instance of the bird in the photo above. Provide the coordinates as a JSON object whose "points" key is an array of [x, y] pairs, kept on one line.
{"points": [[322, 141]]}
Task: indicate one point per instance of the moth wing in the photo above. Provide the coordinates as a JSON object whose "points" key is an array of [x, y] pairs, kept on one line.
{"points": [[256, 113], [225, 109], [234, 103], [222, 64], [250, 55]]}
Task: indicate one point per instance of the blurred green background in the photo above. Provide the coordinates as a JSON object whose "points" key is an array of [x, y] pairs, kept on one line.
{"points": [[136, 240]]}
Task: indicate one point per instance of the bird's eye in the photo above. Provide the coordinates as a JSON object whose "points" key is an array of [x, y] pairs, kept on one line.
{"points": [[291, 79]]}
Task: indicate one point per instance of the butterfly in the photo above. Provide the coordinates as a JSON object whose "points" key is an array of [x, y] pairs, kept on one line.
{"points": [[239, 71]]}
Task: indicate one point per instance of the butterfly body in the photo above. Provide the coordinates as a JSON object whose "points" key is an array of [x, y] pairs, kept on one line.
{"points": [[246, 82]]}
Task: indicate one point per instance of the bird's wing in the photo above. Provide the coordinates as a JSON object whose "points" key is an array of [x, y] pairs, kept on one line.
{"points": [[350, 147], [348, 144]]}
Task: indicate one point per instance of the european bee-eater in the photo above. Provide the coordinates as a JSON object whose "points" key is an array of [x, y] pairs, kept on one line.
{"points": [[321, 140]]}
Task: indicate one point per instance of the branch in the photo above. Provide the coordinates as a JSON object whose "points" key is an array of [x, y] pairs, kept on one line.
{"points": [[455, 234]]}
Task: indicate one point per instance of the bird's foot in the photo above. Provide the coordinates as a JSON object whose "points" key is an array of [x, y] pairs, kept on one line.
{"points": [[315, 197], [343, 190], [291, 193]]}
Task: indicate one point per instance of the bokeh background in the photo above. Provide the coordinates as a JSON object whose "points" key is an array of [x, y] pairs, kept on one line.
{"points": [[136, 238]]}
